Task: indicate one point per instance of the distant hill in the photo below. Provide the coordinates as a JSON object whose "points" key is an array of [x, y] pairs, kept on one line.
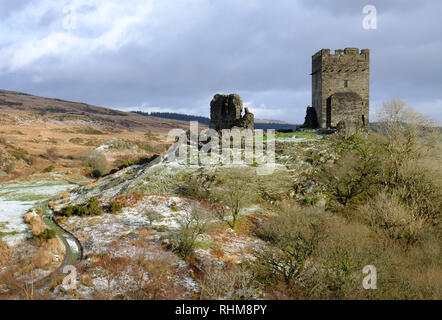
{"points": [[175, 116], [259, 123], [17, 107], [38, 135]]}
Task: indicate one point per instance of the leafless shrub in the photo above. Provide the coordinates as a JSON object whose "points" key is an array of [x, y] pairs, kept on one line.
{"points": [[419, 189], [355, 175], [97, 161], [229, 282], [195, 223], [406, 136], [386, 214], [292, 240], [114, 267], [235, 188], [151, 215], [52, 154], [157, 279]]}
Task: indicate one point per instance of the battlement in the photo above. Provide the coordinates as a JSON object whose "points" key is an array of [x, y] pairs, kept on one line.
{"points": [[342, 52]]}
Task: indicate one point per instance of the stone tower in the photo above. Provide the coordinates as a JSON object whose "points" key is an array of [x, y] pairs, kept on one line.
{"points": [[341, 86]]}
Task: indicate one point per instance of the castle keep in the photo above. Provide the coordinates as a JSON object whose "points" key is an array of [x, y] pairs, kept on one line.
{"points": [[340, 88]]}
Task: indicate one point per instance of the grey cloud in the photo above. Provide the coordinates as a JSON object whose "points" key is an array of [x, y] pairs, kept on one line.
{"points": [[262, 50], [354, 7], [8, 7]]}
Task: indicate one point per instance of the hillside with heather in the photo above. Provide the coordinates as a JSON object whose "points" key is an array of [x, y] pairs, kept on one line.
{"points": [[137, 223], [40, 135]]}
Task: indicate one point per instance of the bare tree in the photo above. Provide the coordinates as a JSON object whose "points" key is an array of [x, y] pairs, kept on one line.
{"points": [[236, 188], [228, 282], [97, 161], [355, 174], [151, 215], [195, 223], [407, 135]]}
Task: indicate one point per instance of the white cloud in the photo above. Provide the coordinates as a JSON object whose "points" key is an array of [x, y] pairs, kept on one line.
{"points": [[110, 26]]}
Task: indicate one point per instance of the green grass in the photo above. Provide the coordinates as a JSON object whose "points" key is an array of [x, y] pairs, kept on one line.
{"points": [[88, 131], [22, 198], [204, 244], [290, 135], [24, 191], [58, 231], [52, 226], [74, 255], [305, 135], [11, 233]]}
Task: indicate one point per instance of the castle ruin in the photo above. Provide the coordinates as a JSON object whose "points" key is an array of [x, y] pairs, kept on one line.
{"points": [[340, 88], [226, 113]]}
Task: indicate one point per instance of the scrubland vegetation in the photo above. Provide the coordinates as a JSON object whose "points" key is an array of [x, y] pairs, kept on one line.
{"points": [[331, 207], [383, 200], [91, 208]]}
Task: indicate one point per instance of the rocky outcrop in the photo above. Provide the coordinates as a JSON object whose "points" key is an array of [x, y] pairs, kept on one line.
{"points": [[311, 119], [247, 121], [226, 113]]}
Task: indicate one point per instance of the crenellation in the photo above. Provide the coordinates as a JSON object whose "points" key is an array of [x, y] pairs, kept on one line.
{"points": [[339, 52], [351, 51]]}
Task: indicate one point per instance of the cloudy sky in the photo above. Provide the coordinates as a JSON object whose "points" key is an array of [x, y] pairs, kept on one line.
{"points": [[174, 55]]}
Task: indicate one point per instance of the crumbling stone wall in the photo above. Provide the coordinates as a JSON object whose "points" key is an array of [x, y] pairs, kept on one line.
{"points": [[247, 121], [311, 120], [226, 113], [345, 71]]}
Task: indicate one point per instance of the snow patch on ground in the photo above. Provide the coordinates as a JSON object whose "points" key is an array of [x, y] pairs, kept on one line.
{"points": [[171, 210], [16, 199]]}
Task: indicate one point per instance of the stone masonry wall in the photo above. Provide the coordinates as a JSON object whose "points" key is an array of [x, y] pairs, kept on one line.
{"points": [[226, 111], [343, 106], [342, 72]]}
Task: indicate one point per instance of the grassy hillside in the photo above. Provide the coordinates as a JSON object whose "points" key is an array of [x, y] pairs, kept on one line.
{"points": [[40, 135]]}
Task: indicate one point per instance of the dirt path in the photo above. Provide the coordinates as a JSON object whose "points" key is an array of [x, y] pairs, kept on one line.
{"points": [[73, 255]]}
